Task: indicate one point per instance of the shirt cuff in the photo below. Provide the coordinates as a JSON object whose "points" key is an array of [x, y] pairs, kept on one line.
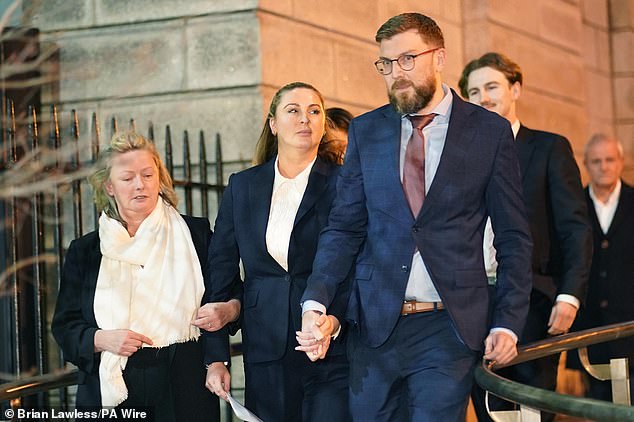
{"points": [[504, 330], [336, 333], [313, 305], [568, 299]]}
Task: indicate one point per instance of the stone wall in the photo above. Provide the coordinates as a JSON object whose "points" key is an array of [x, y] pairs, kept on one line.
{"points": [[191, 64], [622, 48], [214, 64], [563, 47]]}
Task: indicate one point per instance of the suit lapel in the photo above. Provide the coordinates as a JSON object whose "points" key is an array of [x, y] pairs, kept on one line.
{"points": [[317, 183], [592, 213], [623, 209], [387, 152], [525, 147], [260, 192], [459, 134]]}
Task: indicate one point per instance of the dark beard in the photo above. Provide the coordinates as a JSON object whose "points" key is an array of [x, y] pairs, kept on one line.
{"points": [[411, 104]]}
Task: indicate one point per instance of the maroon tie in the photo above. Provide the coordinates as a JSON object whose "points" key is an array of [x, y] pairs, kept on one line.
{"points": [[414, 165]]}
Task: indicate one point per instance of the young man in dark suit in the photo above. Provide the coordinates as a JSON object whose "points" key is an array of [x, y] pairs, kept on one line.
{"points": [[557, 214], [611, 288], [420, 177]]}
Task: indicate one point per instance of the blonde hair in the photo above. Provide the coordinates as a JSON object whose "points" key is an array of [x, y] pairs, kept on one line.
{"points": [[119, 144]]}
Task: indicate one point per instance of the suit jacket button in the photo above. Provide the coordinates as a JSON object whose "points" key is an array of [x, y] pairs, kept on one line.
{"points": [[603, 304], [415, 229], [603, 274], [404, 268], [605, 244], [287, 278]]}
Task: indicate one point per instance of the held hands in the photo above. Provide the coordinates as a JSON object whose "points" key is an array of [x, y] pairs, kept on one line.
{"points": [[218, 380], [213, 316], [317, 330], [500, 347], [120, 342], [561, 318]]}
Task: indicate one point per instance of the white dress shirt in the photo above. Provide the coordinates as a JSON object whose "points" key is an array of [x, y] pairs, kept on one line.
{"points": [[285, 201], [605, 211], [419, 285]]}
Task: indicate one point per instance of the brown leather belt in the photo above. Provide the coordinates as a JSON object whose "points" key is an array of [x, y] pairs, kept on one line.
{"points": [[413, 307]]}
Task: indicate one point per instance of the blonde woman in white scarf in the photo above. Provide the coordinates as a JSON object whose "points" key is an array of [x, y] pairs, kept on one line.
{"points": [[130, 290]]}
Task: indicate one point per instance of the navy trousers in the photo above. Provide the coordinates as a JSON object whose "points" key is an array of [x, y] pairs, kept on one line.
{"points": [[423, 372], [294, 389]]}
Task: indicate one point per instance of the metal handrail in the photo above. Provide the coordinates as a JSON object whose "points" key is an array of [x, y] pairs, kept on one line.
{"points": [[484, 375], [38, 384], [551, 401], [64, 378]]}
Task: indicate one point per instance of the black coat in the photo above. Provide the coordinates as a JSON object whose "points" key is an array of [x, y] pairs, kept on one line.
{"points": [[611, 290], [74, 324], [557, 214]]}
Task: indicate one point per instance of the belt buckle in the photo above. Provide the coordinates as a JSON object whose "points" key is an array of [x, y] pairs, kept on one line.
{"points": [[408, 307]]}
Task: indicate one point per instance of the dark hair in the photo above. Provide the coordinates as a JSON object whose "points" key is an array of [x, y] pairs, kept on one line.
{"points": [[333, 149], [497, 61], [426, 27], [266, 147], [338, 118]]}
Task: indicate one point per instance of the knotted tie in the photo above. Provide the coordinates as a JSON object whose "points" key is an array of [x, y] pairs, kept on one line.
{"points": [[414, 165]]}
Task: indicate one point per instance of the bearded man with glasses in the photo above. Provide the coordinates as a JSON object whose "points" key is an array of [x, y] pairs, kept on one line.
{"points": [[421, 176]]}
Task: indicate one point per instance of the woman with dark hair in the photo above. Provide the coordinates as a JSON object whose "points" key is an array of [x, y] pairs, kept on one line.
{"points": [[130, 290], [337, 123], [270, 219]]}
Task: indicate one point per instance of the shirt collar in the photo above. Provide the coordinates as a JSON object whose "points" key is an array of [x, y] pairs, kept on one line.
{"points": [[515, 126], [614, 195], [442, 109], [301, 178]]}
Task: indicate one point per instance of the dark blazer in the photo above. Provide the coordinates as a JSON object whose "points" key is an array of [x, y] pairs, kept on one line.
{"points": [[557, 214], [74, 324], [371, 227], [271, 294], [611, 290]]}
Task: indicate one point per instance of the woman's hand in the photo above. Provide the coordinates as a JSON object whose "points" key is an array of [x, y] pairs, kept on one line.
{"points": [[120, 342], [218, 380], [213, 316], [314, 339], [314, 349]]}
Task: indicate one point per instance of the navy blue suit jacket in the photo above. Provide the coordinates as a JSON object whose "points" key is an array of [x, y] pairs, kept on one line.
{"points": [[272, 295], [372, 228]]}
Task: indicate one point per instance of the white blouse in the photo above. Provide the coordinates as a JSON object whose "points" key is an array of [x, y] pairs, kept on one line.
{"points": [[285, 201]]}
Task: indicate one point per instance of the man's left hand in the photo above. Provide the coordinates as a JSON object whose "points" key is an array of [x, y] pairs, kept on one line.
{"points": [[561, 318]]}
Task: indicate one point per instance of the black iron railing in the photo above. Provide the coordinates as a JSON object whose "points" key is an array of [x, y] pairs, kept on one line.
{"points": [[45, 203]]}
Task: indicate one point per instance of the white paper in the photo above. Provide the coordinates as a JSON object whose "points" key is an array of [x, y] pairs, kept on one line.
{"points": [[241, 411]]}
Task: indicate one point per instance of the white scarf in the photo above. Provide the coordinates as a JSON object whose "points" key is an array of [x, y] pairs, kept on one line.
{"points": [[150, 283]]}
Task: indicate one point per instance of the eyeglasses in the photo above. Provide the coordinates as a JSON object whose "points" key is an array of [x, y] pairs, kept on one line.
{"points": [[405, 62]]}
